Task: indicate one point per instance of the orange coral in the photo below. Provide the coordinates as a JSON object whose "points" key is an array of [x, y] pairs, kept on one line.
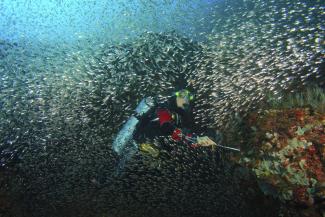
{"points": [[301, 196], [304, 133], [300, 115], [321, 139], [314, 164]]}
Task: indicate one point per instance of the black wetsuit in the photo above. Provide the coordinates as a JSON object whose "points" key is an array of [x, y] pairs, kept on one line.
{"points": [[166, 119]]}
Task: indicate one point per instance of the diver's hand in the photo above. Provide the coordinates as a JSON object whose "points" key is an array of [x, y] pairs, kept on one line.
{"points": [[205, 141]]}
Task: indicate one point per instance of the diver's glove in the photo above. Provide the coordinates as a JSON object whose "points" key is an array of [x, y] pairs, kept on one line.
{"points": [[191, 139], [205, 141]]}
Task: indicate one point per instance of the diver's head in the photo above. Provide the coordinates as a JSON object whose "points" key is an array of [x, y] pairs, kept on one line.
{"points": [[183, 98]]}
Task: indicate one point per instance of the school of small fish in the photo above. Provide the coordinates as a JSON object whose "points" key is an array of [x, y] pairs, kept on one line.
{"points": [[61, 106]]}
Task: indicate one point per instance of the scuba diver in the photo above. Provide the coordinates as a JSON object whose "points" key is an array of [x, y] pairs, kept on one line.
{"points": [[153, 119]]}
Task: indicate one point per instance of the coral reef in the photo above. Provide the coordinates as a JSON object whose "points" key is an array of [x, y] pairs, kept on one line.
{"points": [[286, 152]]}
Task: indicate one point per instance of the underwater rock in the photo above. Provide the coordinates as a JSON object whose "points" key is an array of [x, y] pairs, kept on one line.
{"points": [[285, 152]]}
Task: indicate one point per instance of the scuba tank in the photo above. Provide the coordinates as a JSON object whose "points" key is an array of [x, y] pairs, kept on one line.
{"points": [[124, 138], [125, 135]]}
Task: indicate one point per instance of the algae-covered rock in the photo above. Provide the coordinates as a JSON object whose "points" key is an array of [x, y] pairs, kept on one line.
{"points": [[285, 150]]}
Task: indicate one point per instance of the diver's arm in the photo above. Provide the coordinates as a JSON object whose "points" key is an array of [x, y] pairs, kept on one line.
{"points": [[168, 127], [187, 136], [179, 135]]}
